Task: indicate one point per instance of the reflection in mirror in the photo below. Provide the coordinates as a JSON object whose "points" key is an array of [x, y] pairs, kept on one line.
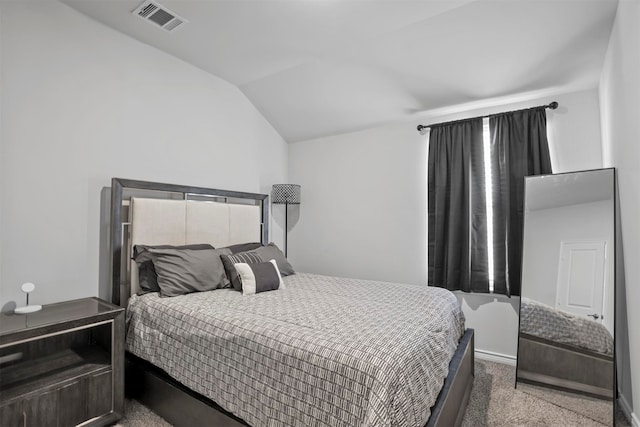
{"points": [[567, 302]]}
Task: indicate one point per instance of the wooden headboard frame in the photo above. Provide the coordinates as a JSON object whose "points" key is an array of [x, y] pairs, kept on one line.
{"points": [[122, 190]]}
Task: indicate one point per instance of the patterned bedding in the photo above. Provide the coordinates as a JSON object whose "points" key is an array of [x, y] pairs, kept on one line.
{"points": [[324, 351], [545, 322]]}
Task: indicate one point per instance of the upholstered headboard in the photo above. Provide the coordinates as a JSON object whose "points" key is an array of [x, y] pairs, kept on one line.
{"points": [[167, 214]]}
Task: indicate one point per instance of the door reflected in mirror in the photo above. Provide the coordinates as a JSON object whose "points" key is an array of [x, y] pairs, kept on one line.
{"points": [[567, 309]]}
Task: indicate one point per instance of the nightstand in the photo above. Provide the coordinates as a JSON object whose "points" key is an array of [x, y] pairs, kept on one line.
{"points": [[63, 365]]}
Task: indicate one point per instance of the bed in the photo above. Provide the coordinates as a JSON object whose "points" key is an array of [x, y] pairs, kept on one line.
{"points": [[320, 351], [564, 351], [545, 322]]}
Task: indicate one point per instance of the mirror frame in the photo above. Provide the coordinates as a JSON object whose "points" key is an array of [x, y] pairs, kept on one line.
{"points": [[614, 189]]}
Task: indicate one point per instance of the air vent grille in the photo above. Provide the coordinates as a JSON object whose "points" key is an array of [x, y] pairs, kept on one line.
{"points": [[173, 24], [147, 10], [159, 15]]}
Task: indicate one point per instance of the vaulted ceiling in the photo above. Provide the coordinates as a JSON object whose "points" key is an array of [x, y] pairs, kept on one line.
{"points": [[322, 67]]}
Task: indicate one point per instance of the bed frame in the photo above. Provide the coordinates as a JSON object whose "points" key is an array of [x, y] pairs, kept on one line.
{"points": [[178, 404], [564, 367]]}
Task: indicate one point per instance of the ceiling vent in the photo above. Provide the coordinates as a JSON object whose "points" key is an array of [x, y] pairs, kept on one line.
{"points": [[159, 15]]}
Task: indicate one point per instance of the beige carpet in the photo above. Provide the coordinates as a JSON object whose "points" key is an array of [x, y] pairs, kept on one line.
{"points": [[493, 402], [137, 415]]}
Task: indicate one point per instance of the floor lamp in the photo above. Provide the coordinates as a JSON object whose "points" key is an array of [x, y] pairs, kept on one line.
{"points": [[285, 194]]}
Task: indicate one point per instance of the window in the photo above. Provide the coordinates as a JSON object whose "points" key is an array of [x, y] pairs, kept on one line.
{"points": [[476, 171], [488, 191]]}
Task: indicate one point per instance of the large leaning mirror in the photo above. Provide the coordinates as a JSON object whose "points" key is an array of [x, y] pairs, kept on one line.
{"points": [[567, 308]]}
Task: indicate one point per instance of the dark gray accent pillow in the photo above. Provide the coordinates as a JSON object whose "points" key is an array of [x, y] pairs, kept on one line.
{"points": [[260, 277], [228, 261], [147, 276], [271, 251], [243, 247]]}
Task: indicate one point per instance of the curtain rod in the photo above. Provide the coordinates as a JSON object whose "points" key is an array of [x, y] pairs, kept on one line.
{"points": [[552, 106]]}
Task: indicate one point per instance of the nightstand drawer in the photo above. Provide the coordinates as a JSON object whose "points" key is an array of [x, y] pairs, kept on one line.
{"points": [[99, 398]]}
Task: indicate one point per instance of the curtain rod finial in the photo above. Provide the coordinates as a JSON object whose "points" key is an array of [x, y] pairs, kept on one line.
{"points": [[553, 105]]}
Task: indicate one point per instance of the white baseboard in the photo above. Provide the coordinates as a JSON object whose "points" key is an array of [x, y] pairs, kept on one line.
{"points": [[495, 357], [626, 408]]}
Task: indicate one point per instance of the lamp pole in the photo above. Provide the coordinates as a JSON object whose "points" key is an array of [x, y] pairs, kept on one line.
{"points": [[286, 228], [286, 194]]}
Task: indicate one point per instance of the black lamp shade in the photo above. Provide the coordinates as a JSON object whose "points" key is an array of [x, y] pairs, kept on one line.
{"points": [[285, 194]]}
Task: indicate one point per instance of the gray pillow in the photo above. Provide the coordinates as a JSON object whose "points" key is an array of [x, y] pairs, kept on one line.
{"points": [[182, 271], [228, 261], [261, 254], [271, 251], [147, 277], [243, 247]]}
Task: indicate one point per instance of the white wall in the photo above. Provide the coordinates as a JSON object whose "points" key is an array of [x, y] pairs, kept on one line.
{"points": [[620, 106], [1, 155], [82, 103], [574, 132], [363, 205], [363, 211]]}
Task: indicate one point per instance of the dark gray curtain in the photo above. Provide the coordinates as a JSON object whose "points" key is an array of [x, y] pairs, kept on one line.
{"points": [[457, 221], [519, 148]]}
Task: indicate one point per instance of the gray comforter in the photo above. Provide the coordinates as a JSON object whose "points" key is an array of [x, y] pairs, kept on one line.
{"points": [[323, 351], [544, 321]]}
